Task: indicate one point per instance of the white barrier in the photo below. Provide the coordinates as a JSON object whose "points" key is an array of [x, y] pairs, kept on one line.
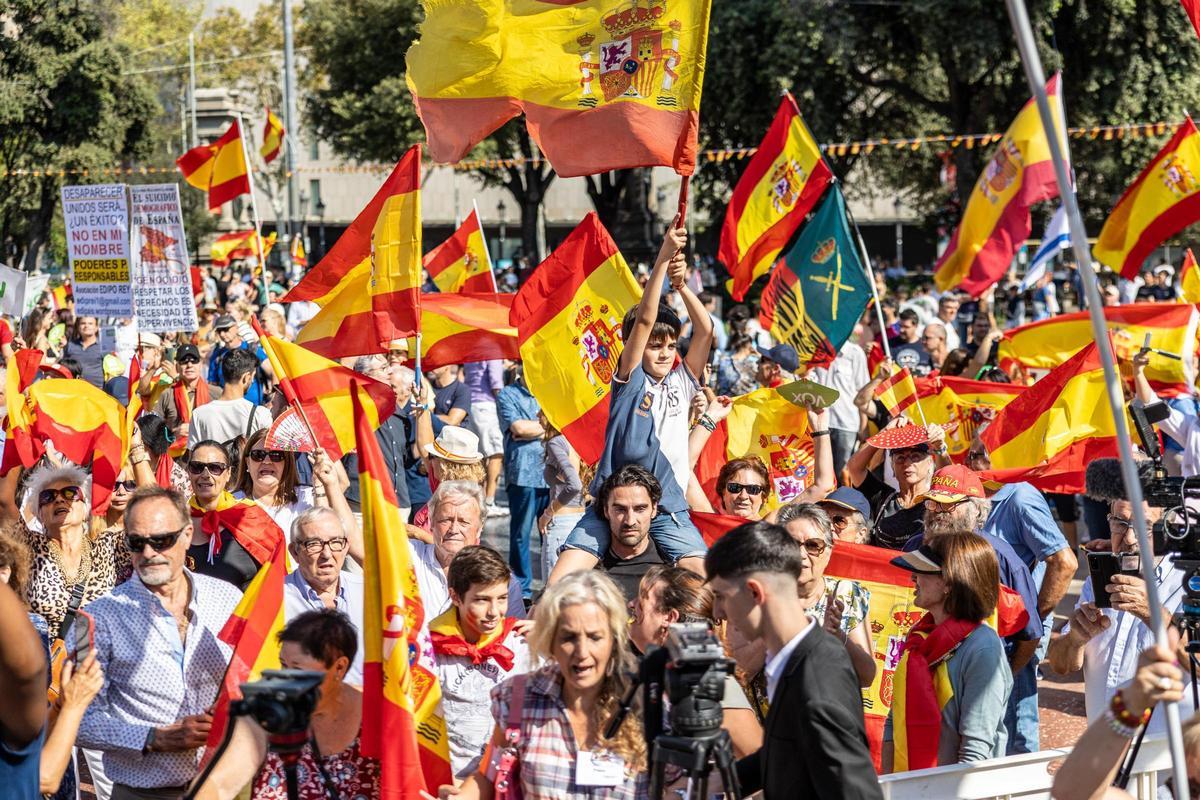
{"points": [[1028, 777]]}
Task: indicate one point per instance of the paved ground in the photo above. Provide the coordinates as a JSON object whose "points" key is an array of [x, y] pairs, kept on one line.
{"points": [[1060, 698]]}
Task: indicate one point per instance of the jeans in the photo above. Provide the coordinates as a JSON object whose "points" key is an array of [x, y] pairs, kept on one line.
{"points": [[526, 504], [842, 442], [555, 537], [1021, 717], [675, 534]]}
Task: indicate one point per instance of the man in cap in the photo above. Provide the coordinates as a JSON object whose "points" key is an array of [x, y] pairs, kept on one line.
{"points": [[777, 365], [189, 391], [1160, 286], [850, 513]]}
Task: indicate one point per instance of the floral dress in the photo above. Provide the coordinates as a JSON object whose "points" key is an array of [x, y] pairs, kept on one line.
{"points": [[857, 601], [355, 776]]}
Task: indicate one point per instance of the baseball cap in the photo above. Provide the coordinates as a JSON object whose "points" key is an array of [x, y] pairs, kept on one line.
{"points": [[224, 321], [849, 499], [954, 483], [922, 560], [185, 350], [782, 354]]}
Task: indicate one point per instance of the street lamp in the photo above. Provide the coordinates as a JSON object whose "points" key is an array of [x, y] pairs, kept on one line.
{"points": [[502, 212], [320, 209], [899, 235]]}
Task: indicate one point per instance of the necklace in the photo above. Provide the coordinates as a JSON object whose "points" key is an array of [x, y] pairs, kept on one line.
{"points": [[85, 561]]}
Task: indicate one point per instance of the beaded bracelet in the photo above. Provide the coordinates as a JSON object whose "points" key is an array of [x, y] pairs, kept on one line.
{"points": [[1118, 727], [707, 423], [1122, 712]]}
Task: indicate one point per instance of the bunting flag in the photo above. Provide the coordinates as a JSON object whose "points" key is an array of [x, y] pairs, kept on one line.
{"points": [[820, 288], [218, 168], [996, 220], [239, 245], [1163, 200], [273, 135], [465, 328], [1172, 328], [1189, 279], [368, 284], [897, 392], [781, 184], [299, 257], [1055, 428], [966, 403], [568, 319], [402, 722], [461, 263], [764, 423], [602, 86]]}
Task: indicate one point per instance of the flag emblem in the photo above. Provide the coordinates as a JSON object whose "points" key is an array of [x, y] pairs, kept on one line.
{"points": [[824, 251], [1177, 177], [791, 461], [634, 63], [786, 181], [1002, 170], [598, 339]]}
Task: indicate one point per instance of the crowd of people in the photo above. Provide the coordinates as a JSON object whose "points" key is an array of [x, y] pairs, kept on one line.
{"points": [[533, 655]]}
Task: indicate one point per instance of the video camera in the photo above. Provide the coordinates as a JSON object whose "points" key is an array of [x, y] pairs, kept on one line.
{"points": [[281, 702]]}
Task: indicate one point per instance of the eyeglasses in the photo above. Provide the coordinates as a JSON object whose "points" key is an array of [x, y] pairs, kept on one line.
{"points": [[975, 455], [315, 546], [1119, 524], [158, 541], [128, 486], [911, 453], [840, 522], [188, 360], [68, 493], [276, 456], [752, 489], [213, 467], [814, 547], [938, 506]]}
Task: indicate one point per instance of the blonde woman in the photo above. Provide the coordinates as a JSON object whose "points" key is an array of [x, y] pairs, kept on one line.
{"points": [[580, 631]]}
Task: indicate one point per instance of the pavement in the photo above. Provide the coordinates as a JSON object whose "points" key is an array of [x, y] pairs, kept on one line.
{"points": [[1062, 716]]}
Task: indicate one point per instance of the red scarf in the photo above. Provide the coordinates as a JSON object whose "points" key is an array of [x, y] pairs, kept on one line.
{"points": [[251, 526], [185, 411], [446, 634]]}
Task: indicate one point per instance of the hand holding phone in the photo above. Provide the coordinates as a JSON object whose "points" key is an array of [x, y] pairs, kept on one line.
{"points": [[1102, 567]]}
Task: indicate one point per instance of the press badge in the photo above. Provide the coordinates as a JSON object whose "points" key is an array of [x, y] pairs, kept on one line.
{"points": [[599, 769]]}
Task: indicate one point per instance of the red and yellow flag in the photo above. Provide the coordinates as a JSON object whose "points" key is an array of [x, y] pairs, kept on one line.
{"points": [[781, 184], [898, 391], [996, 221], [218, 168], [402, 721], [60, 294], [568, 320], [273, 135], [464, 328], [1163, 200], [602, 85], [963, 401], [461, 263], [1172, 328], [20, 448], [299, 257], [1189, 278], [369, 283], [239, 244], [1049, 434]]}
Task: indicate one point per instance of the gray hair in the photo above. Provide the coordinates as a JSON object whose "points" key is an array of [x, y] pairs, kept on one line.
{"points": [[456, 492], [975, 513], [810, 513], [365, 365], [43, 476], [404, 376], [309, 516]]}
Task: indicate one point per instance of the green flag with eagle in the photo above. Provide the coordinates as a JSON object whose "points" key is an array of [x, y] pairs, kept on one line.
{"points": [[819, 288]]}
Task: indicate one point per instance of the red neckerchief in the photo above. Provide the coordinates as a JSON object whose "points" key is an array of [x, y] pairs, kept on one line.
{"points": [[179, 391], [447, 639], [251, 526]]}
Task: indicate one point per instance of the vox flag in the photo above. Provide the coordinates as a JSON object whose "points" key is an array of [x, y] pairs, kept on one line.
{"points": [[273, 134], [218, 168], [603, 84], [568, 320], [819, 289], [1163, 200], [996, 220], [461, 263], [781, 184]]}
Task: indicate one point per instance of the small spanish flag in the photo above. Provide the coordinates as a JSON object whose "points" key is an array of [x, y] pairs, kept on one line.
{"points": [[969, 403], [236, 245], [218, 168], [462, 328], [461, 263], [299, 257], [898, 391], [1189, 279], [273, 135]]}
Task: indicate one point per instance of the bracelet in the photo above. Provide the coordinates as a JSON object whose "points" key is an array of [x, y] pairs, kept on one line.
{"points": [[1122, 712], [707, 423], [815, 434], [1118, 727]]}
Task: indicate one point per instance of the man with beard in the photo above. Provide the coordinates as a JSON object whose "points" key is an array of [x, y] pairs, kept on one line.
{"points": [[157, 642], [628, 501]]}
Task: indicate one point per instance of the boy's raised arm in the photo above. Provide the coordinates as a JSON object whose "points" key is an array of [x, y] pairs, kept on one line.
{"points": [[647, 313]]}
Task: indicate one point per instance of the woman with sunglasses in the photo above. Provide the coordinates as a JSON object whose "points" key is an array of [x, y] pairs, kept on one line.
{"points": [[743, 485], [135, 473], [231, 538]]}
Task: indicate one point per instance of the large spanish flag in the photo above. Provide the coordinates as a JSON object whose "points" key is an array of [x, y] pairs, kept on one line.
{"points": [[218, 168], [402, 721], [239, 244], [461, 263], [781, 184], [1049, 434], [1172, 328], [1163, 200], [568, 320], [462, 328], [603, 85], [966, 402], [273, 135], [996, 221]]}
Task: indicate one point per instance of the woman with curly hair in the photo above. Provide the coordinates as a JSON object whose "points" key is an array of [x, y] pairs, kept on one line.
{"points": [[743, 485]]}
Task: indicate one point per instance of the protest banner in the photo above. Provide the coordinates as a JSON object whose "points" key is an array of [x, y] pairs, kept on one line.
{"points": [[12, 291], [97, 224], [35, 285], [162, 285]]}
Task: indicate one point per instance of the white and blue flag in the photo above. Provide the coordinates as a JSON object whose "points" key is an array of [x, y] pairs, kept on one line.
{"points": [[1057, 237]]}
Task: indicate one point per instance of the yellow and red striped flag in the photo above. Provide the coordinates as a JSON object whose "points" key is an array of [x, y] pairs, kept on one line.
{"points": [[603, 86], [60, 294], [402, 721], [218, 168], [1172, 328], [781, 184], [568, 320], [966, 402], [239, 244], [996, 220], [461, 263], [273, 136], [20, 448], [1189, 278], [299, 257], [1163, 200], [898, 391], [462, 328]]}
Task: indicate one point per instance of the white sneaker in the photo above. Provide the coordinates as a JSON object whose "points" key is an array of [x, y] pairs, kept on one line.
{"points": [[494, 510]]}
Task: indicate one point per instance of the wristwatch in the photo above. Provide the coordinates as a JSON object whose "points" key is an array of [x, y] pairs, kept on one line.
{"points": [[149, 744]]}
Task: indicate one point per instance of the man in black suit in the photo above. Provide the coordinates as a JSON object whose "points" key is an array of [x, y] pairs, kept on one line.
{"points": [[815, 741]]}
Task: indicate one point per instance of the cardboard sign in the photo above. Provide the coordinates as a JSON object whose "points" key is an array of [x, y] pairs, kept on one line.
{"points": [[97, 224], [162, 282]]}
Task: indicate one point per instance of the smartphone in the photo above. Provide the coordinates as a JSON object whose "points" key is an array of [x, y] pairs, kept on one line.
{"points": [[83, 636], [1101, 568]]}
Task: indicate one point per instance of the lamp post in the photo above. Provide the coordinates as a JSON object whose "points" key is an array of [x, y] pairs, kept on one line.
{"points": [[899, 234], [320, 209], [502, 212]]}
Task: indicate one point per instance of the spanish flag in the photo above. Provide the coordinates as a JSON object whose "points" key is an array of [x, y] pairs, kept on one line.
{"points": [[781, 184], [1163, 200], [368, 284], [239, 244], [996, 221], [1172, 328], [273, 135], [402, 721], [20, 448], [967, 403], [602, 85], [568, 319], [463, 328], [299, 257], [1189, 279], [461, 263], [1049, 434], [218, 168], [897, 391]]}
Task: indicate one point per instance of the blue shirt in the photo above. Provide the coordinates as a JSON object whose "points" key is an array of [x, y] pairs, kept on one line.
{"points": [[1021, 517], [254, 392], [299, 597], [524, 459]]}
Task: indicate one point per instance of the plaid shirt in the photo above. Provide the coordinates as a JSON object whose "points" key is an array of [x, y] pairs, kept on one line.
{"points": [[547, 749]]}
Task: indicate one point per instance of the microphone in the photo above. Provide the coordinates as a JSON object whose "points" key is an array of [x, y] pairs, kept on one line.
{"points": [[1104, 481]]}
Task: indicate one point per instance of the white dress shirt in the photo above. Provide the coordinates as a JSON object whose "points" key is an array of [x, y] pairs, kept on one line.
{"points": [[1184, 429], [777, 663], [848, 374], [435, 590]]}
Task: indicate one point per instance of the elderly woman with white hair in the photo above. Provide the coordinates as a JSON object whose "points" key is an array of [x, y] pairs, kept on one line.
{"points": [[456, 521]]}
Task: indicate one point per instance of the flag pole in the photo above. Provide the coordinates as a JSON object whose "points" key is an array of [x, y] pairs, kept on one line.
{"points": [[486, 250], [258, 240], [1034, 73]]}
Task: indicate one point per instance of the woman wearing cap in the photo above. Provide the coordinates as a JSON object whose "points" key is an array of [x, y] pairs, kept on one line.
{"points": [[953, 676]]}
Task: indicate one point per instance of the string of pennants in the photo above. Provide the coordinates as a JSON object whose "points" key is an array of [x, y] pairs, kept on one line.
{"points": [[837, 149]]}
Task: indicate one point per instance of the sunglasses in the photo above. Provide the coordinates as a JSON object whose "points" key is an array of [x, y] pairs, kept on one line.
{"points": [[276, 456], [158, 541], [814, 547], [128, 486], [752, 489], [213, 467], [68, 493], [188, 360]]}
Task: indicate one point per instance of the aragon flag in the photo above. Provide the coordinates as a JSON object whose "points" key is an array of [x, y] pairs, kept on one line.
{"points": [[819, 289], [273, 135], [1189, 278], [996, 220], [568, 320], [461, 263], [603, 85], [781, 184], [1163, 200], [218, 168]]}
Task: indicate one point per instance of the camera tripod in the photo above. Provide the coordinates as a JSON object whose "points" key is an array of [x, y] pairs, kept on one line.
{"points": [[697, 756]]}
